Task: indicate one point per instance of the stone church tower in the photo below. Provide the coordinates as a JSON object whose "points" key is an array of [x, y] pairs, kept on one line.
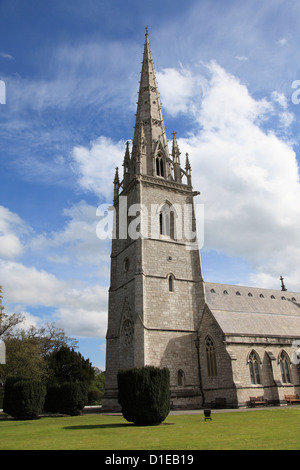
{"points": [[156, 294]]}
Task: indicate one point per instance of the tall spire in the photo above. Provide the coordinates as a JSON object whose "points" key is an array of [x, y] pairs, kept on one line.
{"points": [[150, 153], [149, 117]]}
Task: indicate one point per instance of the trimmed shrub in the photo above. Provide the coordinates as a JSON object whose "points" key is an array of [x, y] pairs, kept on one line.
{"points": [[24, 399], [8, 394], [73, 398], [144, 394], [52, 399], [69, 398]]}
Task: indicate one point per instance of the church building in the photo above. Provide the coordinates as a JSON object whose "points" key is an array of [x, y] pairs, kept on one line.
{"points": [[222, 344]]}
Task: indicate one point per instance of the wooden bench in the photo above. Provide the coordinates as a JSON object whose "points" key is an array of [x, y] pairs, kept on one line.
{"points": [[258, 401], [292, 399]]}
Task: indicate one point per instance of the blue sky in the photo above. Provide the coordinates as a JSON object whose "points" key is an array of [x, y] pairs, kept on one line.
{"points": [[225, 72]]}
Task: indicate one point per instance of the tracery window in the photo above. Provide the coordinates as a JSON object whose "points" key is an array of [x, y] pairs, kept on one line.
{"points": [[254, 368], [284, 363], [210, 357], [167, 221]]}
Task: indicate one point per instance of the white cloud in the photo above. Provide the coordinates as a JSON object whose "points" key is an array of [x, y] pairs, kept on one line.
{"points": [[241, 58], [5, 55], [77, 242], [12, 229], [78, 75], [248, 178], [28, 285], [227, 104], [80, 310], [283, 41], [96, 165], [83, 312], [10, 246], [285, 117], [76, 306], [280, 98], [177, 88]]}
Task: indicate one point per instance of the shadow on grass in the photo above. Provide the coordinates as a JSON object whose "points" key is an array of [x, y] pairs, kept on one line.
{"points": [[107, 426], [98, 426]]}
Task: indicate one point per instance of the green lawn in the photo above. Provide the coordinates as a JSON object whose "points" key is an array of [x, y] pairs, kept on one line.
{"points": [[249, 430]]}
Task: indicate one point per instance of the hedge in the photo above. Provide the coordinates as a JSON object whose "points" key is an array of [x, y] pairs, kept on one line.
{"points": [[69, 398], [24, 399], [144, 394]]}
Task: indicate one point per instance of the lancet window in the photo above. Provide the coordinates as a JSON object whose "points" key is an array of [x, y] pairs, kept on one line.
{"points": [[254, 368], [284, 363], [159, 165]]}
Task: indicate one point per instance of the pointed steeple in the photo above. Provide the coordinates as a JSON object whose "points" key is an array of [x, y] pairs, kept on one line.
{"points": [[150, 152], [149, 120]]}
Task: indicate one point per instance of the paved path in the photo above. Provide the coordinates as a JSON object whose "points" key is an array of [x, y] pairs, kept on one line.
{"points": [[97, 409]]}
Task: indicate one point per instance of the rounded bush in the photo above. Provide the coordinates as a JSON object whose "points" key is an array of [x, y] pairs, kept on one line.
{"points": [[73, 398], [94, 397], [144, 394]]}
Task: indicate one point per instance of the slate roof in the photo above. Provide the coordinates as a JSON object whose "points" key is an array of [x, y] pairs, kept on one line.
{"points": [[251, 311]]}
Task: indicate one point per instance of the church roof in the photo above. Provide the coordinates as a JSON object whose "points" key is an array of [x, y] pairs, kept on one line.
{"points": [[252, 311]]}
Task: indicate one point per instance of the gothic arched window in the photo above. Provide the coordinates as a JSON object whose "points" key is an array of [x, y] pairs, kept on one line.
{"points": [[167, 221], [210, 357], [254, 362], [284, 363]]}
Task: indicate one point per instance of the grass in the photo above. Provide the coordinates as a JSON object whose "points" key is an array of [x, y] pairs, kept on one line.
{"points": [[250, 430]]}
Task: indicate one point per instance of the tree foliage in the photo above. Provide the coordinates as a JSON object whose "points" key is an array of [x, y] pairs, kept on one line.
{"points": [[49, 338], [27, 351], [97, 388], [67, 365], [70, 378], [24, 359], [43, 355]]}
